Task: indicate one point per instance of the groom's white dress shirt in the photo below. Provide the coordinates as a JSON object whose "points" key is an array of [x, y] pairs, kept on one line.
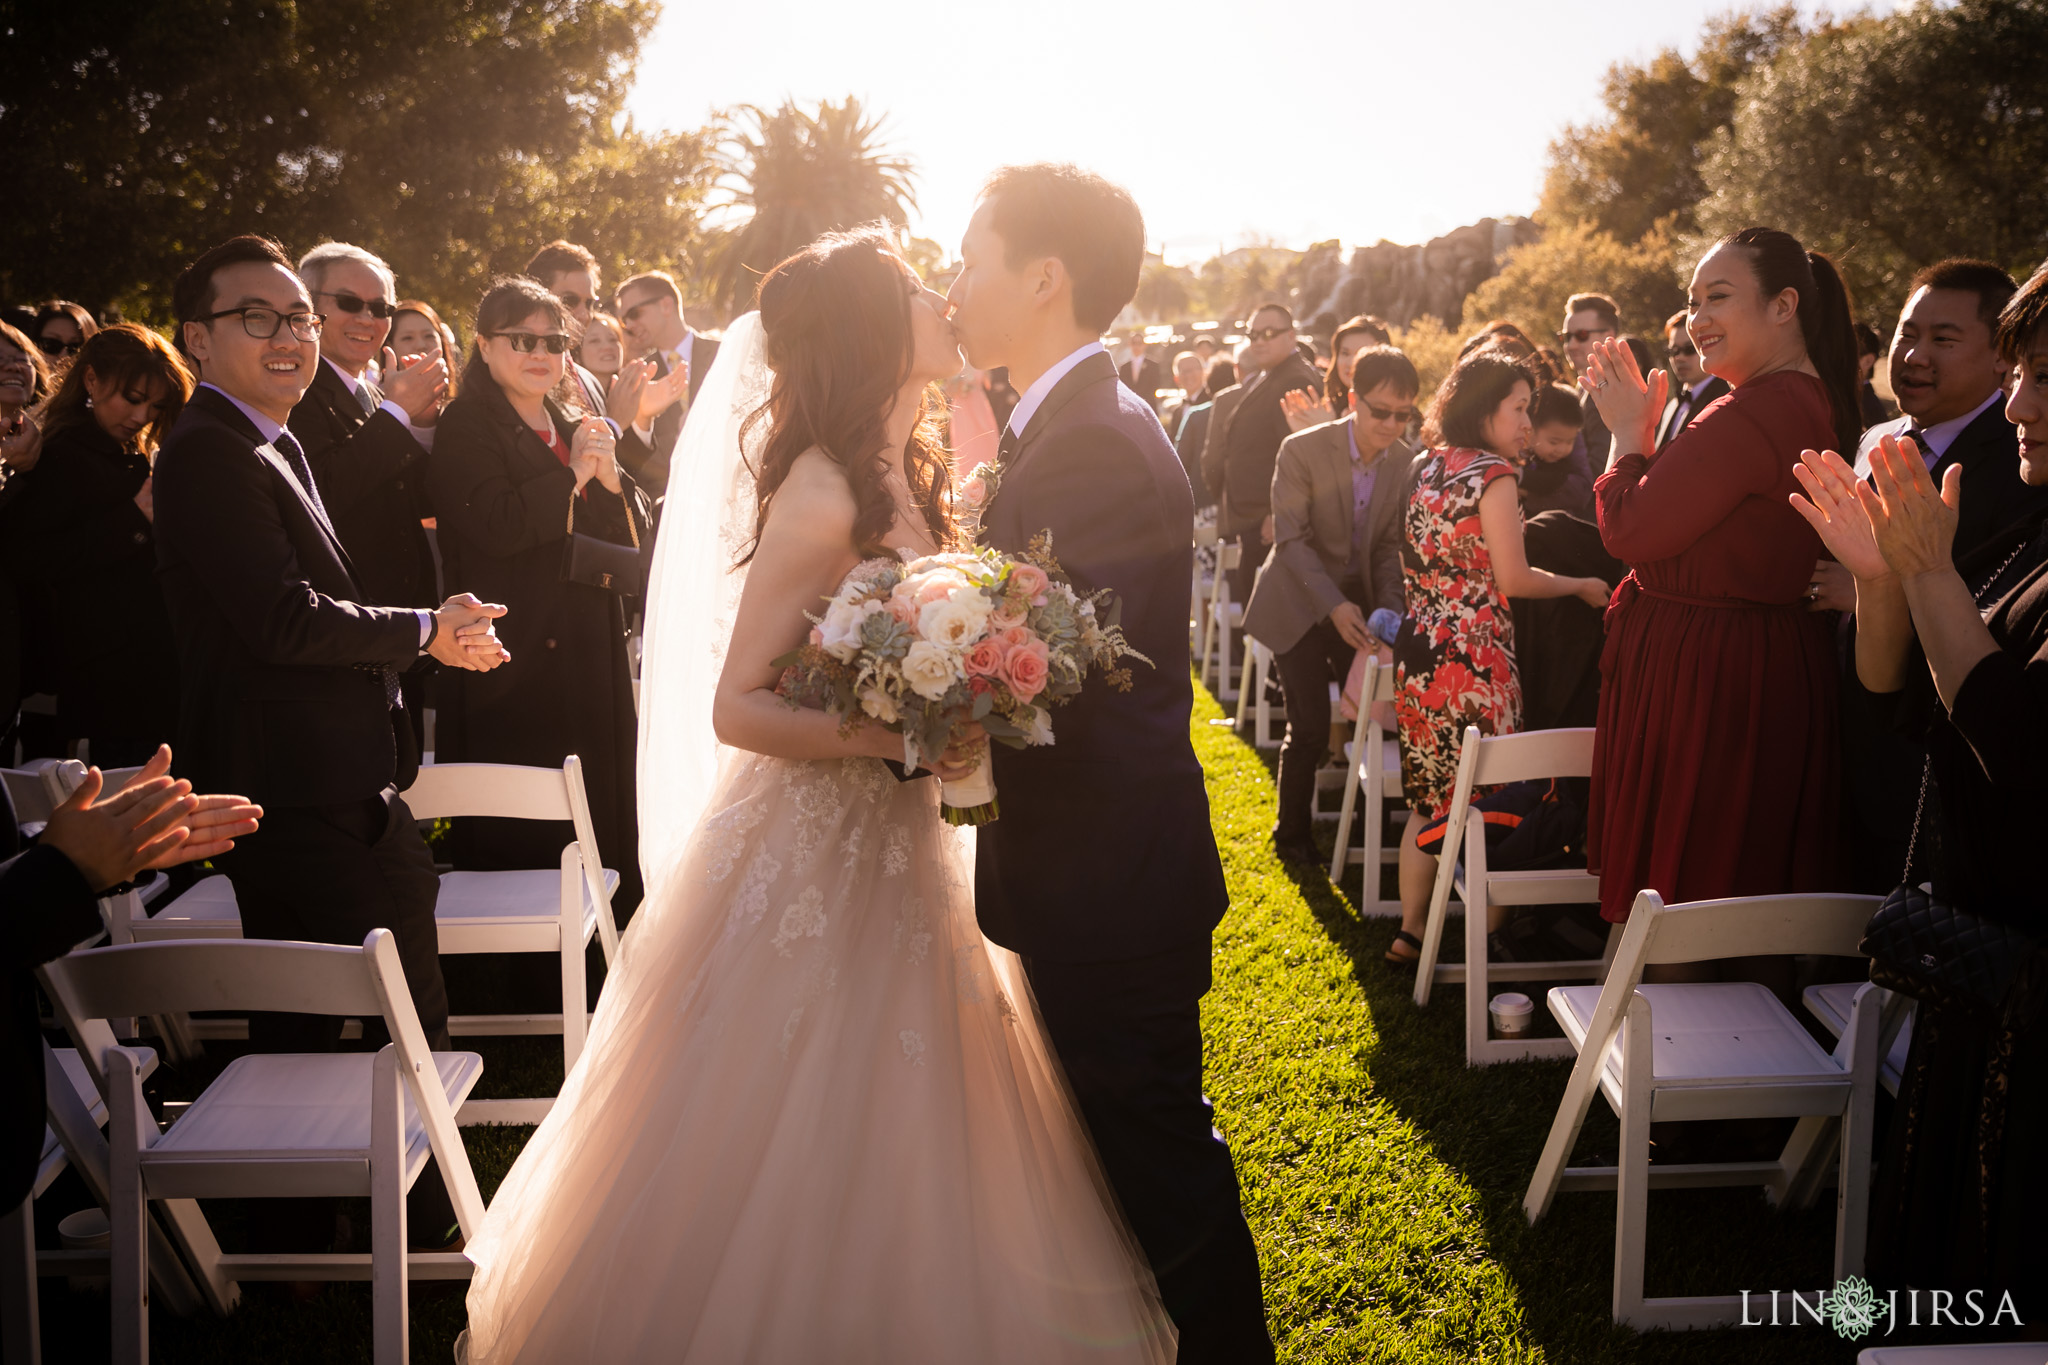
{"points": [[1027, 405]]}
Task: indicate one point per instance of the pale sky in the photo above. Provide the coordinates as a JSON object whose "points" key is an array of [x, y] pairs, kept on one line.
{"points": [[1230, 123]]}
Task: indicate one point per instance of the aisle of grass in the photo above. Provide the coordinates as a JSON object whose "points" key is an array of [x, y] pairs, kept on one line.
{"points": [[1383, 1178]]}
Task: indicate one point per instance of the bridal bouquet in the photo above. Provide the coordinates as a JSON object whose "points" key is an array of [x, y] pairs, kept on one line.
{"points": [[931, 647]]}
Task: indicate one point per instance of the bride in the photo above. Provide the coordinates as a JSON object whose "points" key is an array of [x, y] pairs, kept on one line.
{"points": [[818, 1118]]}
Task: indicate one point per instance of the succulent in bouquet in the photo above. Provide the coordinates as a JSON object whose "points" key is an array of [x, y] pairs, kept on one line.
{"points": [[951, 646]]}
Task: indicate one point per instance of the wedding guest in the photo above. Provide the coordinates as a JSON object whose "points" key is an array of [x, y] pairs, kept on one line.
{"points": [[1351, 338], [1189, 374], [1461, 559], [1692, 388], [1206, 347], [1194, 423], [1869, 350], [417, 333], [650, 311], [24, 382], [367, 444], [569, 272], [1339, 491], [602, 349], [61, 327], [1244, 439], [1960, 642], [27, 630], [1555, 476], [1142, 374], [1710, 652], [514, 475], [1588, 320], [1945, 369], [84, 527]]}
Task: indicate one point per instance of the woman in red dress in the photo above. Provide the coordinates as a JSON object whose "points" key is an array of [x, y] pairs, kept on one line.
{"points": [[1715, 762]]}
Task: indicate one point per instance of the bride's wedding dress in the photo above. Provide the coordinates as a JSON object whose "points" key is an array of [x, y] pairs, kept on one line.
{"points": [[817, 1118]]}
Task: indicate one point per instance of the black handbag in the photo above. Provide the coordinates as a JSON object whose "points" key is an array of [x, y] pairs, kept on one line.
{"points": [[1941, 955], [599, 563]]}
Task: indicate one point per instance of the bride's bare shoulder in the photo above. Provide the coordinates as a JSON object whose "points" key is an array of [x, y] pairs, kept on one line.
{"points": [[814, 505]]}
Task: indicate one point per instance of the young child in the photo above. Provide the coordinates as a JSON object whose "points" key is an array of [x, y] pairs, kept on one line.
{"points": [[1557, 474]]}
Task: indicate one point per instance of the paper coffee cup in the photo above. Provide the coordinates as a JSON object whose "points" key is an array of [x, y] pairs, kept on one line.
{"points": [[1512, 1013]]}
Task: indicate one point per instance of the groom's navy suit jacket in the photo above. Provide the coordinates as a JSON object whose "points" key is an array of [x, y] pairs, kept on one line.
{"points": [[1104, 851]]}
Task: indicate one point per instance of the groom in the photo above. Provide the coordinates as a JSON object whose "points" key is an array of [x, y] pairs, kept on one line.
{"points": [[1102, 873]]}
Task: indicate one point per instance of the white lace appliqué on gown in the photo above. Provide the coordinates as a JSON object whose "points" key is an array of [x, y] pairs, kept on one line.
{"points": [[817, 1120]]}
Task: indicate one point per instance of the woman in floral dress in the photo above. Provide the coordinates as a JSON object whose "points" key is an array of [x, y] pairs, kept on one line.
{"points": [[1454, 660]]}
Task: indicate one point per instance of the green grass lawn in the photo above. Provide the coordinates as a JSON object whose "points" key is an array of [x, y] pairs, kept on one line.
{"points": [[1382, 1178]]}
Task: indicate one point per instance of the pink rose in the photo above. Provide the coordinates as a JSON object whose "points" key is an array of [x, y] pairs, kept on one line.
{"points": [[1017, 637], [1006, 616], [973, 490], [903, 609], [984, 660], [1024, 669], [1031, 581]]}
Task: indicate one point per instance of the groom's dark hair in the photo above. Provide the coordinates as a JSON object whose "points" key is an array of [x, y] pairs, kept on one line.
{"points": [[1093, 226]]}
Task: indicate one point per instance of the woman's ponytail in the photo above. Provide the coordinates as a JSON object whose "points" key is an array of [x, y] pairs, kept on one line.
{"points": [[1825, 318]]}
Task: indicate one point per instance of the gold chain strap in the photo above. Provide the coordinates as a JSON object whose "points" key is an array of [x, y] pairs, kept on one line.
{"points": [[632, 528]]}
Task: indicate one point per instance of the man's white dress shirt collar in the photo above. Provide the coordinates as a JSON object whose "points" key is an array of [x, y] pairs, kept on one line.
{"points": [[1028, 404]]}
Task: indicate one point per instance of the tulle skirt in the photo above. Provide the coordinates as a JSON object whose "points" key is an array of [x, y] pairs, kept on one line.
{"points": [[817, 1120]]}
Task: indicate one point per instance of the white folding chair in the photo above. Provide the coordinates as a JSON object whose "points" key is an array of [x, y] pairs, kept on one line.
{"points": [[275, 1125], [1484, 761], [1220, 618], [30, 793], [1251, 695], [1672, 1053], [1372, 761], [522, 911], [1206, 535], [1831, 1002]]}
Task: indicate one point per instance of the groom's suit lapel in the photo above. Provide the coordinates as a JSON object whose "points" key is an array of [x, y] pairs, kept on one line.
{"points": [[1096, 369]]}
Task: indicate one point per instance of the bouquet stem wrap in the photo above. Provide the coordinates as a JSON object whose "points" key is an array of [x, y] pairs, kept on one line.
{"points": [[971, 800]]}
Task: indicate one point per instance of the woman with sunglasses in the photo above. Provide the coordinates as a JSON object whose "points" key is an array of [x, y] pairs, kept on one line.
{"points": [[85, 528], [61, 329], [513, 474]]}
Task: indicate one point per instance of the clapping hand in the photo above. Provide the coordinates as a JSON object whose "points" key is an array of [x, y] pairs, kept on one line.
{"points": [[151, 822], [417, 387], [661, 394], [1913, 524], [21, 444], [1629, 404], [591, 454], [1830, 506], [1304, 408], [466, 638]]}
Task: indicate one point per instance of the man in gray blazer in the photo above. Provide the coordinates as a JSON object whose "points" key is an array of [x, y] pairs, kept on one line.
{"points": [[1332, 584]]}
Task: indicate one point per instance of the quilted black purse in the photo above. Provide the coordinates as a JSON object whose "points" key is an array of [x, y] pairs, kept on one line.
{"points": [[599, 563], [1943, 956]]}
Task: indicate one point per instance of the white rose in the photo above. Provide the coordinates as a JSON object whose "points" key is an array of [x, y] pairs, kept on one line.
{"points": [[841, 628], [955, 621], [930, 670], [879, 704]]}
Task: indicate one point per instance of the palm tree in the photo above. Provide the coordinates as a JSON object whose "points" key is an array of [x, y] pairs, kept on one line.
{"points": [[800, 174]]}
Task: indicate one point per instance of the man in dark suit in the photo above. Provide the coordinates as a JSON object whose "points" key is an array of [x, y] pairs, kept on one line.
{"points": [[1339, 492], [367, 442], [1103, 874], [650, 308], [1141, 374], [1244, 440], [1589, 319], [1692, 388], [290, 681], [1945, 369]]}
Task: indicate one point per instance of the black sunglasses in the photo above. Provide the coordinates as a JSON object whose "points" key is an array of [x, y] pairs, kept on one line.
{"points": [[1586, 334], [1268, 333], [52, 346], [574, 301], [634, 311], [351, 303], [527, 342], [1380, 414]]}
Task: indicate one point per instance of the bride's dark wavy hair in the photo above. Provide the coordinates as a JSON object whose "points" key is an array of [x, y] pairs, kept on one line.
{"points": [[835, 318]]}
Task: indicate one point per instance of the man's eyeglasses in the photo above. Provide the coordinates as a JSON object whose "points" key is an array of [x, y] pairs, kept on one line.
{"points": [[352, 303], [634, 311], [1263, 334], [1685, 348], [527, 342], [262, 323], [572, 302], [55, 346], [1586, 334], [1379, 414]]}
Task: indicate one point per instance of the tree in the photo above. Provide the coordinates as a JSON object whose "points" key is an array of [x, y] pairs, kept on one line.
{"points": [[1641, 163], [451, 139], [1164, 292], [1643, 278], [1893, 142], [798, 175]]}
